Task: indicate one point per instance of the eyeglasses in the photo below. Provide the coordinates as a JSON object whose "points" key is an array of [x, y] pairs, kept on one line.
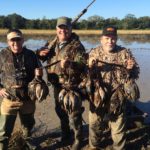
{"points": [[16, 39]]}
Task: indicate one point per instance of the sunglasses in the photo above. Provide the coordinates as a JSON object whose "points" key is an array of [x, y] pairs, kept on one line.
{"points": [[16, 39]]}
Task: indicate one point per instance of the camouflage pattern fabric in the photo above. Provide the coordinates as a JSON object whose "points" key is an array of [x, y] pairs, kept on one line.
{"points": [[10, 79], [112, 67], [68, 104], [110, 70], [73, 50], [7, 68]]}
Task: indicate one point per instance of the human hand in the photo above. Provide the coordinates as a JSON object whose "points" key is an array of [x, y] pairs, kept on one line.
{"points": [[64, 63], [38, 72], [43, 51], [7, 103], [92, 61], [3, 93], [130, 63]]}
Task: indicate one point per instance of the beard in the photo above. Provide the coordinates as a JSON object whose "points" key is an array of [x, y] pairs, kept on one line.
{"points": [[108, 49]]}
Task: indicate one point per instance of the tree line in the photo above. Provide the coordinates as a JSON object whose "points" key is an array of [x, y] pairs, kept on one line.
{"points": [[92, 22]]}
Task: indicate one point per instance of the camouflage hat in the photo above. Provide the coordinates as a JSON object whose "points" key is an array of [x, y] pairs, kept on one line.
{"points": [[63, 21], [109, 30]]}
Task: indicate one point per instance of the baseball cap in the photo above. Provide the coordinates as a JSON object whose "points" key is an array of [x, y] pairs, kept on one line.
{"points": [[109, 30], [64, 21], [14, 34]]}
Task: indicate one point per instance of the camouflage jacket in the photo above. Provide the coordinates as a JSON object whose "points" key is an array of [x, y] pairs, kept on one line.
{"points": [[75, 51], [112, 67], [10, 63]]}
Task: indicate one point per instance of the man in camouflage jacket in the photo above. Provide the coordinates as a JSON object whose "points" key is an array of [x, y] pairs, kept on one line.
{"points": [[67, 74], [111, 66], [17, 66]]}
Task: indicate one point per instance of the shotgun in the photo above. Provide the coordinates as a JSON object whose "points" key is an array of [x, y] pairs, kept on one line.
{"points": [[72, 22], [82, 13]]}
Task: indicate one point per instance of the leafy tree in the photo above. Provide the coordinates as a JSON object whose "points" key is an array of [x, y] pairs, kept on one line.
{"points": [[29, 24], [52, 24], [16, 21], [144, 22], [92, 22], [2, 21], [95, 22], [83, 24], [130, 22]]}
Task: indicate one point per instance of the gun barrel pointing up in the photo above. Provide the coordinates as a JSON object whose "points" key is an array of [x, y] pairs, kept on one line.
{"points": [[82, 13]]}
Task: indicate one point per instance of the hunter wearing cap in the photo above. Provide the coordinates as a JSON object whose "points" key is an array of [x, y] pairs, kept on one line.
{"points": [[65, 78], [17, 67], [111, 67]]}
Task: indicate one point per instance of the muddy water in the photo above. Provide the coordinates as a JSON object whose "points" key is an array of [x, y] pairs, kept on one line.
{"points": [[140, 46]]}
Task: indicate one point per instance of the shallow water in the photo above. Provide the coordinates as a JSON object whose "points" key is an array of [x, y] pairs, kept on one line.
{"points": [[140, 46]]}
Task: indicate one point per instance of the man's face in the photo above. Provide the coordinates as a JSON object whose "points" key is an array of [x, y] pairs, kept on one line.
{"points": [[15, 44], [108, 42], [63, 33]]}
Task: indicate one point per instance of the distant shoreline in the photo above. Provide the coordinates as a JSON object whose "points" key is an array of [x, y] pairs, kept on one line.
{"points": [[80, 32]]}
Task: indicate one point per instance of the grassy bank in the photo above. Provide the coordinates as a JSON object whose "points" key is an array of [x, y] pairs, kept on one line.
{"points": [[80, 32]]}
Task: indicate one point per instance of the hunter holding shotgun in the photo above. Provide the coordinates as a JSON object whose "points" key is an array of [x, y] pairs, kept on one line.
{"points": [[66, 76], [69, 72]]}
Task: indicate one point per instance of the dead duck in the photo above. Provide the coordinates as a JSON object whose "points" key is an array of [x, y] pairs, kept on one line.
{"points": [[38, 90], [131, 90], [116, 101], [72, 101], [61, 96]]}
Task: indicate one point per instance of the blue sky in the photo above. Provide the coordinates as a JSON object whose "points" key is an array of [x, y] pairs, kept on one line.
{"points": [[34, 9]]}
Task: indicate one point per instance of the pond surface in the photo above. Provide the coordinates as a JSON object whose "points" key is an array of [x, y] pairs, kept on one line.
{"points": [[139, 45]]}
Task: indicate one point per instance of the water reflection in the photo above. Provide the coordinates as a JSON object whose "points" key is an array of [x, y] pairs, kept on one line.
{"points": [[129, 41], [139, 44]]}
